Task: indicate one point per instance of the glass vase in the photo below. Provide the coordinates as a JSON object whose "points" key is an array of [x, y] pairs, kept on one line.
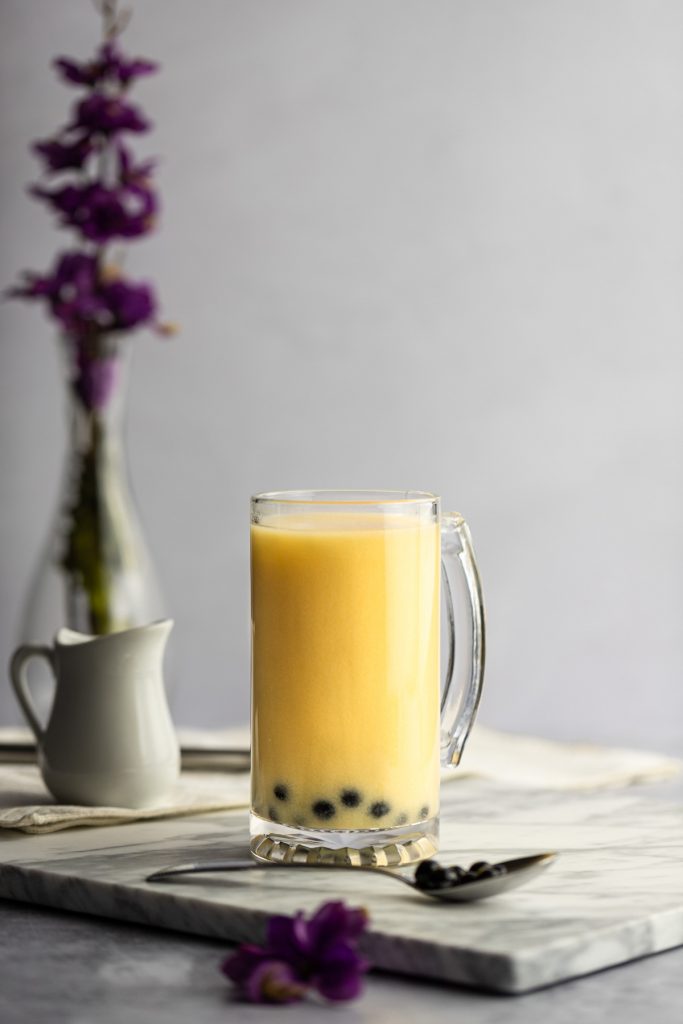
{"points": [[95, 574]]}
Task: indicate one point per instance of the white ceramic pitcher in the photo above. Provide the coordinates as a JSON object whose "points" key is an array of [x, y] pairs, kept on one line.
{"points": [[109, 739]]}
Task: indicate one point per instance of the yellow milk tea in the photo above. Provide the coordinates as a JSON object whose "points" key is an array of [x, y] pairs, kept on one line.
{"points": [[345, 713]]}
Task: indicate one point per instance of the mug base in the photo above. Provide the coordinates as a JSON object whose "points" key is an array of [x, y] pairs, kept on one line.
{"points": [[384, 847]]}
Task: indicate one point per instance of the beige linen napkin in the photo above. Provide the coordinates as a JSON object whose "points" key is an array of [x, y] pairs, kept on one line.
{"points": [[26, 805], [529, 761], [518, 761]]}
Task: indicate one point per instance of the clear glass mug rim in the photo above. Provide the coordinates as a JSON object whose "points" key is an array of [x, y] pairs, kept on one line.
{"points": [[346, 497]]}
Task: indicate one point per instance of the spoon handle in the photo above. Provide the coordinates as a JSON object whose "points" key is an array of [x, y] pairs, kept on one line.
{"points": [[200, 867], [247, 863]]}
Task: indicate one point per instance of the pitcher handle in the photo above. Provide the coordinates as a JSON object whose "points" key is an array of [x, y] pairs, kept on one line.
{"points": [[17, 671], [462, 682]]}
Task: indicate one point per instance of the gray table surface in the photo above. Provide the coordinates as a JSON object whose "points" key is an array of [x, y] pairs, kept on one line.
{"points": [[61, 968]]}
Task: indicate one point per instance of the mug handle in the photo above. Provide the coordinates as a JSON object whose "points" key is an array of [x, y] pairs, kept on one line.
{"points": [[464, 675], [17, 671]]}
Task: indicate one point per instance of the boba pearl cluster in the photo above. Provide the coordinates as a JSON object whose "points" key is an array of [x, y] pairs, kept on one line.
{"points": [[432, 875], [324, 809]]}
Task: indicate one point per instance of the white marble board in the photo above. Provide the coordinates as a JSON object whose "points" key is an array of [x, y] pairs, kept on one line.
{"points": [[614, 895]]}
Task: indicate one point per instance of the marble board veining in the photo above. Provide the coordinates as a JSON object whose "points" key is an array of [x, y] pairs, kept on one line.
{"points": [[614, 894]]}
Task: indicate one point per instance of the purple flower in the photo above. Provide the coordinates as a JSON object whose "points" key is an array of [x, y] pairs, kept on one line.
{"points": [[101, 214], [300, 955], [69, 291], [261, 979], [106, 213], [134, 176], [109, 65], [84, 300], [109, 114], [89, 73], [61, 155], [129, 70], [119, 68], [128, 305]]}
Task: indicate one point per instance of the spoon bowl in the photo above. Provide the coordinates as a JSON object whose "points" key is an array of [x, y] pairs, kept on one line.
{"points": [[508, 874]]}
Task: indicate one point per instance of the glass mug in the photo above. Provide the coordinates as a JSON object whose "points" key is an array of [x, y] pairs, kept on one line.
{"points": [[349, 723]]}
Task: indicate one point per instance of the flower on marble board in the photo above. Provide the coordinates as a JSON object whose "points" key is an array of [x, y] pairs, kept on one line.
{"points": [[301, 956]]}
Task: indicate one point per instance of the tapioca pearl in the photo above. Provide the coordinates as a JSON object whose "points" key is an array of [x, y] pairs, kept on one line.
{"points": [[379, 809], [272, 814], [351, 797], [402, 819], [423, 812], [430, 875], [281, 792], [324, 809]]}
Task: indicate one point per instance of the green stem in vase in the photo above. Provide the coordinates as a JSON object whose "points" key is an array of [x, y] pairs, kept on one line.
{"points": [[98, 548], [85, 556]]}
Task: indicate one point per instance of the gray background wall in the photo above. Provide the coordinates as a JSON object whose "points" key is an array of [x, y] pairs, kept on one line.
{"points": [[432, 245]]}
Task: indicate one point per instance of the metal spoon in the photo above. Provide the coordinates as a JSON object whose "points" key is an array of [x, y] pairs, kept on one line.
{"points": [[517, 872]]}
